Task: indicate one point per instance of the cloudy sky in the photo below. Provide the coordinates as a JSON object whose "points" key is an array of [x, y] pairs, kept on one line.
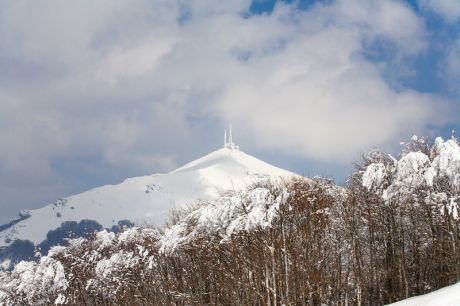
{"points": [[92, 92]]}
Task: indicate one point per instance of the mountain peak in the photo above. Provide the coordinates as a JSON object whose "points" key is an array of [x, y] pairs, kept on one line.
{"points": [[230, 160], [148, 199]]}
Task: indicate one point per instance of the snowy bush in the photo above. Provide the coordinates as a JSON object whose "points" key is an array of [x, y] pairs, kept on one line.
{"points": [[35, 283]]}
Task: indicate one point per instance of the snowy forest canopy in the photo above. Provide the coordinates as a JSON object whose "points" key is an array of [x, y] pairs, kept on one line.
{"points": [[392, 232]]}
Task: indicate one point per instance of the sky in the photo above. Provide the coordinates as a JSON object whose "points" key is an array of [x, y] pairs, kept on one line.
{"points": [[93, 92]]}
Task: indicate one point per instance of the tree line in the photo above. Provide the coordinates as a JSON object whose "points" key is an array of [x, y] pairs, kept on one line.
{"points": [[391, 233]]}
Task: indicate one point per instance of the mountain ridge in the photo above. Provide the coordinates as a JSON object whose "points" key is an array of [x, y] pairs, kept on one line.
{"points": [[147, 199]]}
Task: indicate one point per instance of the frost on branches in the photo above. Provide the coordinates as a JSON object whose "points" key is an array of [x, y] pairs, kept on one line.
{"points": [[435, 170], [391, 233], [99, 266], [232, 213], [34, 283], [410, 207]]}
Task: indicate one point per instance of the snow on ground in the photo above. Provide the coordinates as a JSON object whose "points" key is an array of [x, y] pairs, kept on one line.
{"points": [[148, 199], [448, 296]]}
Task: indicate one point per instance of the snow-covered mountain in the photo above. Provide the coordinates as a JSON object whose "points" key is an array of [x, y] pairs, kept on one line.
{"points": [[267, 242], [147, 199]]}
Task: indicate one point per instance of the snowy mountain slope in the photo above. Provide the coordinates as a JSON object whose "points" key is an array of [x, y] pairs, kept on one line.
{"points": [[246, 242], [147, 199], [448, 296]]}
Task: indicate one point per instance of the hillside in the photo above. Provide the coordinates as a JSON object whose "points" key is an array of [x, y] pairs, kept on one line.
{"points": [[391, 233], [147, 199]]}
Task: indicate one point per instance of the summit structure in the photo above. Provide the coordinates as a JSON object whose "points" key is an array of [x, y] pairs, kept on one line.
{"points": [[228, 143]]}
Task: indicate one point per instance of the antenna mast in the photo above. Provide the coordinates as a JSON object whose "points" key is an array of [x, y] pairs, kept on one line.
{"points": [[229, 144], [230, 140]]}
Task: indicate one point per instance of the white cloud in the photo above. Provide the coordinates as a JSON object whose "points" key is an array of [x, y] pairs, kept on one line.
{"points": [[389, 20], [448, 9], [133, 61], [308, 90], [128, 84]]}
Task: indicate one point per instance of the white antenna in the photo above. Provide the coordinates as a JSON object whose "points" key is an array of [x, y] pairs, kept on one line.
{"points": [[230, 140], [229, 144]]}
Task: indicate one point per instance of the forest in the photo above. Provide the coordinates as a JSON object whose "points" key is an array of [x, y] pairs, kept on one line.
{"points": [[391, 232]]}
